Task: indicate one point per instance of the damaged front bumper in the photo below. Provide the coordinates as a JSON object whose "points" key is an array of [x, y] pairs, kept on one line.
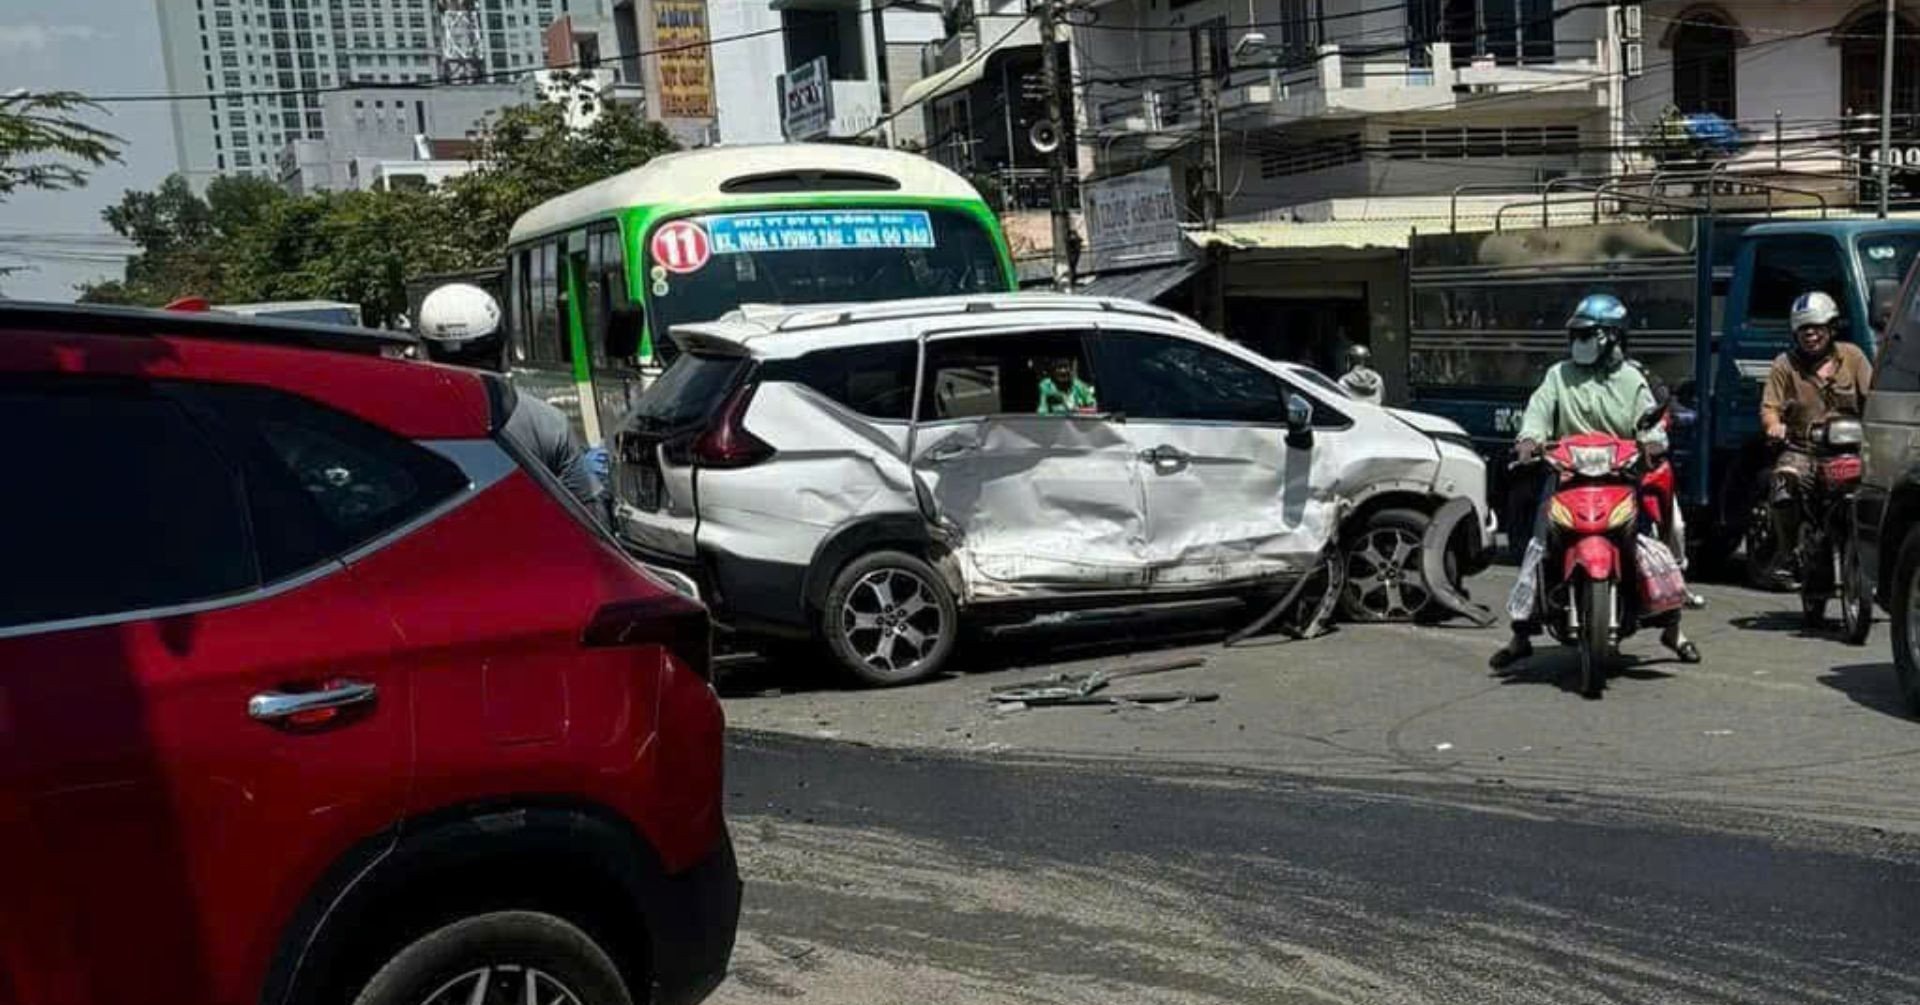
{"points": [[1467, 532]]}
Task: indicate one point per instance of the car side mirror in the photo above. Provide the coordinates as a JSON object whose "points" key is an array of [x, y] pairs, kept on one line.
{"points": [[1299, 414], [1299, 422], [625, 318], [1880, 309]]}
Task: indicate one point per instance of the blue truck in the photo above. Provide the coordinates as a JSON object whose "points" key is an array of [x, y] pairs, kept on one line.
{"points": [[1709, 297]]}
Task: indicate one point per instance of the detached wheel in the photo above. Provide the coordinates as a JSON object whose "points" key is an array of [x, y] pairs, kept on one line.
{"points": [[889, 619], [1384, 582], [1906, 620], [496, 959]]}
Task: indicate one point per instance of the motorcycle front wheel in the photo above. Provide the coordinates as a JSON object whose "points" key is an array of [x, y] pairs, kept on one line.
{"points": [[1856, 596], [1594, 600]]}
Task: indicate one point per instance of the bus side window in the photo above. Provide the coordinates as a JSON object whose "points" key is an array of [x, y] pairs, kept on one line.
{"points": [[517, 327], [606, 267], [544, 285]]}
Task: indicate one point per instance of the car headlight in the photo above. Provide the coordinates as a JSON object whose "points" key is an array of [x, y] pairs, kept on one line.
{"points": [[1592, 462]]}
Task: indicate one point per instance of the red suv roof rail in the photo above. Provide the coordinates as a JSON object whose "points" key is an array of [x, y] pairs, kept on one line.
{"points": [[92, 319]]}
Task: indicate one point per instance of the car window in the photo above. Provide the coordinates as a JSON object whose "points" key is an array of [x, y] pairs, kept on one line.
{"points": [[1784, 268], [320, 482], [130, 507], [688, 391], [1019, 373], [1162, 377], [1898, 368], [874, 380]]}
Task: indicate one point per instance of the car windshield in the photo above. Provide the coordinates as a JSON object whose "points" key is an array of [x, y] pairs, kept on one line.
{"points": [[700, 268], [1887, 256]]}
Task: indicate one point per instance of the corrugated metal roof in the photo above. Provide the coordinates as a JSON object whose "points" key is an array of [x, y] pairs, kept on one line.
{"points": [[1351, 234]]}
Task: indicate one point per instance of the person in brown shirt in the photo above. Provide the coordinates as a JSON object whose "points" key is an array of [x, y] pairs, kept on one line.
{"points": [[1814, 382]]}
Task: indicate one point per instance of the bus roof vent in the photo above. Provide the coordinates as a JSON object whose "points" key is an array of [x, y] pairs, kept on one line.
{"points": [[809, 181]]}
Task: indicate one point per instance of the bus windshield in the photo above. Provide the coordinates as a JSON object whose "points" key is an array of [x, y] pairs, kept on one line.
{"points": [[699, 268]]}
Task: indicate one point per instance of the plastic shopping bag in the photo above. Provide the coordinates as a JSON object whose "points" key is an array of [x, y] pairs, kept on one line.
{"points": [[1663, 586], [1527, 587]]}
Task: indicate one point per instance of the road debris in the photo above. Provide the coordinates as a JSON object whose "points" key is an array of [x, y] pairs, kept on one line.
{"points": [[1083, 688]]}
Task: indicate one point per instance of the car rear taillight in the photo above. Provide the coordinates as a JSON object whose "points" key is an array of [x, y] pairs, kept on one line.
{"points": [[726, 442], [669, 620]]}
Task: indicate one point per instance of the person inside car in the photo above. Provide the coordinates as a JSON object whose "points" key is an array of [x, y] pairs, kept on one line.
{"points": [[1815, 381], [1064, 393], [1594, 390]]}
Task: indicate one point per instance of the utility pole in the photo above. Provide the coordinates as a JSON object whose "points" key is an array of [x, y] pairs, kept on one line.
{"points": [[880, 72], [1204, 50], [1886, 115], [1055, 83]]}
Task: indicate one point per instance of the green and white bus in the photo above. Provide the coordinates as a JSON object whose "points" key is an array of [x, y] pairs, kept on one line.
{"points": [[596, 277]]}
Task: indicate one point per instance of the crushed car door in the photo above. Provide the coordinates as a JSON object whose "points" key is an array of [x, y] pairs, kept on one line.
{"points": [[1230, 496], [1036, 488]]}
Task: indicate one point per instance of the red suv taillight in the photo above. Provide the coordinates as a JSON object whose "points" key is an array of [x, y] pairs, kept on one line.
{"points": [[669, 620], [726, 442]]}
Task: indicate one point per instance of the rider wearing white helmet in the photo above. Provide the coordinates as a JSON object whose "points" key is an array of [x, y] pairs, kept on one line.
{"points": [[1812, 383], [460, 325]]}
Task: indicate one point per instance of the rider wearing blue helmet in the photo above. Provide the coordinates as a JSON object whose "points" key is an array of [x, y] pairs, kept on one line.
{"points": [[1594, 390]]}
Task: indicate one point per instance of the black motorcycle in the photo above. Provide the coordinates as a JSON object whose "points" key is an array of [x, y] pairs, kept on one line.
{"points": [[1826, 554]]}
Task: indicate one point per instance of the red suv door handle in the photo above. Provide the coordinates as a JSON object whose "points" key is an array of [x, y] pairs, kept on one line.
{"points": [[309, 708]]}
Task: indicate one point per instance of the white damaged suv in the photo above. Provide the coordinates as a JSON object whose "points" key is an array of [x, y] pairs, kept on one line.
{"points": [[870, 475]]}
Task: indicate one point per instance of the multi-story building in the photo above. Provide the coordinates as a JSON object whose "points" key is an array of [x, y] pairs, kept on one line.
{"points": [[860, 49], [368, 126], [266, 66]]}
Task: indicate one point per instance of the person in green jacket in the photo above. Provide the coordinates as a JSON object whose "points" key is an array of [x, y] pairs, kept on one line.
{"points": [[1594, 390], [1063, 393]]}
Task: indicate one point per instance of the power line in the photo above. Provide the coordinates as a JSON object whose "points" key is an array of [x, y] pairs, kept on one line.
{"points": [[491, 76]]}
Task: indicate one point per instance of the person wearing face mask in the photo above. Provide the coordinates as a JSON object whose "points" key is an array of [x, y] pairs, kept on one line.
{"points": [[1815, 381], [1594, 390]]}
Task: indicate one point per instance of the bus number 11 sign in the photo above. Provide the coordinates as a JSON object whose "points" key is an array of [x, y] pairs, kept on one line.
{"points": [[680, 246]]}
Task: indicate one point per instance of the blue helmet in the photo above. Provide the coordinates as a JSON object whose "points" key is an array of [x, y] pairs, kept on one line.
{"points": [[1597, 331]]}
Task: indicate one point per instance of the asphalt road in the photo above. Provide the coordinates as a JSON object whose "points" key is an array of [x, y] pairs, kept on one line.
{"points": [[879, 876], [1778, 720]]}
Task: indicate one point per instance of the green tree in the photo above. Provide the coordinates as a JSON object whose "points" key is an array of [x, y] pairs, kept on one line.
{"points": [[45, 145]]}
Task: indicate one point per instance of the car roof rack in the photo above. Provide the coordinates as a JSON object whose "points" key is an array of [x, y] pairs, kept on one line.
{"points": [[803, 320], [94, 319]]}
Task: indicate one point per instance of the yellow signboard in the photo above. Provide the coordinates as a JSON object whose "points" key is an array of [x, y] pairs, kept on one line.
{"points": [[684, 60]]}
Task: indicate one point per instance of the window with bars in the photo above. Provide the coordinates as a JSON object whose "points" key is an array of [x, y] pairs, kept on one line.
{"points": [[1461, 142], [1281, 157]]}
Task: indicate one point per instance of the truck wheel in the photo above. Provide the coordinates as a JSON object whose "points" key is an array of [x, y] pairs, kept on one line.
{"points": [[1384, 582], [1906, 612], [889, 619]]}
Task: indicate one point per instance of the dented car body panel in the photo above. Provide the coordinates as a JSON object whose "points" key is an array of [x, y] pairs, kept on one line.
{"points": [[1179, 472]]}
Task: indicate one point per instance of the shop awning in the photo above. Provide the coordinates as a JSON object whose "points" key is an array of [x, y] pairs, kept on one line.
{"points": [[1144, 285], [1354, 235], [965, 73]]}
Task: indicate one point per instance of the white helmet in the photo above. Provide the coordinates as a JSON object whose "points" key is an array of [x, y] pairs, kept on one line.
{"points": [[1815, 308], [457, 313]]}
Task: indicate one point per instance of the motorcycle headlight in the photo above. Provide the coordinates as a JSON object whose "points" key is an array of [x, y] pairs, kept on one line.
{"points": [[1592, 462]]}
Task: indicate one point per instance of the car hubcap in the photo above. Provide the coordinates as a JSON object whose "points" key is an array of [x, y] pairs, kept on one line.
{"points": [[504, 984], [891, 621], [1384, 577]]}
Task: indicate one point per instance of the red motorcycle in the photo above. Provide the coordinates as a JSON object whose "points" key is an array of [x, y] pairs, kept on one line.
{"points": [[1590, 580]]}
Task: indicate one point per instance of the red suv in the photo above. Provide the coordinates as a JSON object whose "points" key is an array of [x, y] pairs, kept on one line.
{"points": [[315, 689]]}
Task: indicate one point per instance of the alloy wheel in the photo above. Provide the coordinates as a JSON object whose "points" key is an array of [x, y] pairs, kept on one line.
{"points": [[503, 984], [1384, 581], [892, 622]]}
